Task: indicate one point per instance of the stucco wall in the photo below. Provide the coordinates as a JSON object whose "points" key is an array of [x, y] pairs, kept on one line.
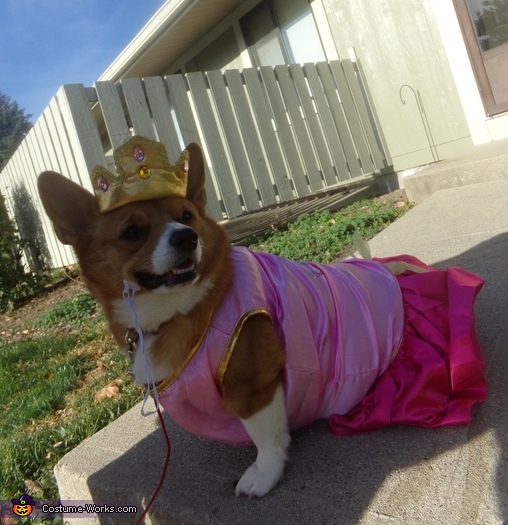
{"points": [[399, 43]]}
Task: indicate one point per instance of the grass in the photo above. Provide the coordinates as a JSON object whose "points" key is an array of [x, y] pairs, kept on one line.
{"points": [[49, 382], [73, 312], [324, 236], [48, 386]]}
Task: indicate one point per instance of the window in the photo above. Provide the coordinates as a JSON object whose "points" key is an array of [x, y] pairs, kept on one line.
{"points": [[299, 31], [263, 37], [485, 29], [490, 21], [282, 32]]}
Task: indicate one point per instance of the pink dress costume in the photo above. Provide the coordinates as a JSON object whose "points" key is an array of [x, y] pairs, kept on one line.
{"points": [[363, 348]]}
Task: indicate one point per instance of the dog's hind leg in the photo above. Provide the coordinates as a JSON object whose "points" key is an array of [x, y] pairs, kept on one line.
{"points": [[269, 432]]}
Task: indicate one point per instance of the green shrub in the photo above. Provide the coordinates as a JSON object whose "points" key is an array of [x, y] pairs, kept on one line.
{"points": [[16, 285]]}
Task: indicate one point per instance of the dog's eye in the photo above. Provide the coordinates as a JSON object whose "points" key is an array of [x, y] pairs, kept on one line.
{"points": [[131, 233], [186, 216]]}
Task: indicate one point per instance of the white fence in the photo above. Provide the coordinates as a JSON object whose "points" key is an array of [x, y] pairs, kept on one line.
{"points": [[270, 136]]}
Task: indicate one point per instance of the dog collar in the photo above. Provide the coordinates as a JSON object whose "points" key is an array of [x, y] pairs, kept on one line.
{"points": [[132, 339]]}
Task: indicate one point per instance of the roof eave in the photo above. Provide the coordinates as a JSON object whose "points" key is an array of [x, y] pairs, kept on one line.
{"points": [[155, 28]]}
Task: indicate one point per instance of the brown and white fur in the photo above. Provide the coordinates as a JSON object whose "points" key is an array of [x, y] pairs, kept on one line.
{"points": [[178, 257]]}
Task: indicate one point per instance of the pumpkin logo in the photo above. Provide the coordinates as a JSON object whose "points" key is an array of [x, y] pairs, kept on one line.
{"points": [[23, 506]]}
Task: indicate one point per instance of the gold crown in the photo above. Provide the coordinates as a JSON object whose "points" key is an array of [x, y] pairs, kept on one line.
{"points": [[143, 173]]}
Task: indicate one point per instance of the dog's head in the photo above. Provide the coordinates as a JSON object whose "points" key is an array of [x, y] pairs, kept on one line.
{"points": [[161, 246]]}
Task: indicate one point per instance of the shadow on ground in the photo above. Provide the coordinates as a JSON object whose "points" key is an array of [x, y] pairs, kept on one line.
{"points": [[399, 475]]}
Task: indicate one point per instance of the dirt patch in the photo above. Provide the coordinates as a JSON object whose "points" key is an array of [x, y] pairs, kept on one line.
{"points": [[399, 197], [19, 323]]}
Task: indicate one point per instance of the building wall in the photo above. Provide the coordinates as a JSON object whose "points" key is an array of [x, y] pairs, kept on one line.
{"points": [[399, 43]]}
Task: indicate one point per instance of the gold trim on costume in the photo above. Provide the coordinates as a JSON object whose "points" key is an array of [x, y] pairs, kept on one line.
{"points": [[228, 352], [174, 376], [396, 349]]}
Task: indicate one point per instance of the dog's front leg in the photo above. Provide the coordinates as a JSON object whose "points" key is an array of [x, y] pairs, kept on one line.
{"points": [[252, 390], [268, 430]]}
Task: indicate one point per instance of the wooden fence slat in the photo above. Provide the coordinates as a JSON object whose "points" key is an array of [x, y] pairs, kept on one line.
{"points": [[263, 116], [214, 144], [315, 128], [83, 133], [137, 106], [39, 163], [62, 254], [38, 166], [177, 87], [46, 143], [248, 129], [113, 113], [351, 112], [349, 70], [336, 109], [35, 152], [64, 151], [161, 112], [301, 132], [325, 116], [60, 162], [178, 98], [233, 138], [284, 131]]}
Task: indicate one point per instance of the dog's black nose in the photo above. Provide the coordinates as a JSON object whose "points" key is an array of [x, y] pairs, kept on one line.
{"points": [[184, 238]]}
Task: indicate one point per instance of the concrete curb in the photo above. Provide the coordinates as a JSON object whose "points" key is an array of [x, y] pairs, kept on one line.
{"points": [[484, 163]]}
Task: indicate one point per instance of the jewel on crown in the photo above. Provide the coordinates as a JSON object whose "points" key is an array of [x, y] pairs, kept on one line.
{"points": [[143, 173]]}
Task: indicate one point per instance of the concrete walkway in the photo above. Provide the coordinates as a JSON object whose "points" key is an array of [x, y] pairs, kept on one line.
{"points": [[407, 476]]}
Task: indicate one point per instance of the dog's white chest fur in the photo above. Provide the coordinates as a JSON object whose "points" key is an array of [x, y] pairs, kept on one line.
{"points": [[155, 308]]}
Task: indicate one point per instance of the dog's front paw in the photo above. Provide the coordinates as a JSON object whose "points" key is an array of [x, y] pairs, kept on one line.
{"points": [[257, 482]]}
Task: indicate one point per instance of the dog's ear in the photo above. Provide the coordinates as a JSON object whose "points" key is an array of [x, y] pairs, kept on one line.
{"points": [[72, 209], [196, 178]]}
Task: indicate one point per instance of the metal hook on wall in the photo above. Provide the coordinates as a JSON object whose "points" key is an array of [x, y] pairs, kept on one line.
{"points": [[425, 121]]}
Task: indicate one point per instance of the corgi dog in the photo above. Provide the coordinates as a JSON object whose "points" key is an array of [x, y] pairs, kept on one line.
{"points": [[243, 347]]}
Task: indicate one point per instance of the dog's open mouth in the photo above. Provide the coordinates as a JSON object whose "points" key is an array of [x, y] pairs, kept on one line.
{"points": [[180, 274]]}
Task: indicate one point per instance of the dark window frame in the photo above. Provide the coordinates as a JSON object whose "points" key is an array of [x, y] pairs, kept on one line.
{"points": [[475, 56], [252, 47]]}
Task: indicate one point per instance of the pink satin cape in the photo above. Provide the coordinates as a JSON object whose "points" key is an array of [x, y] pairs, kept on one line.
{"points": [[438, 373]]}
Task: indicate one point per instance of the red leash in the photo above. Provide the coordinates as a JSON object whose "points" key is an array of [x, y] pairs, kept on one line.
{"points": [[132, 345], [164, 469]]}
